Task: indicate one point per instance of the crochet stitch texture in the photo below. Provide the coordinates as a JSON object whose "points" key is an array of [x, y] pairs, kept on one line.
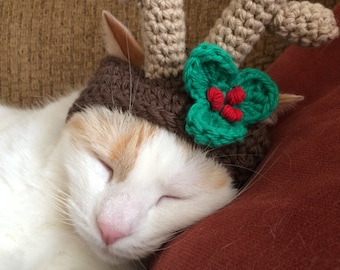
{"points": [[110, 87], [253, 96], [157, 93], [242, 23], [163, 33]]}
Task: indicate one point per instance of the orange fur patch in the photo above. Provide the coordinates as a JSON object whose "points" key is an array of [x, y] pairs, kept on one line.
{"points": [[217, 179], [124, 151], [116, 140], [117, 146]]}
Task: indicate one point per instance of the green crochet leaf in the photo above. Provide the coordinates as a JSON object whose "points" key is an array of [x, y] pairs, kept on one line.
{"points": [[217, 132], [210, 67], [262, 95]]}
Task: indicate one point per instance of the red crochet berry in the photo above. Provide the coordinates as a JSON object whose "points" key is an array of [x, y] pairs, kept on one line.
{"points": [[231, 114], [216, 98], [236, 95]]}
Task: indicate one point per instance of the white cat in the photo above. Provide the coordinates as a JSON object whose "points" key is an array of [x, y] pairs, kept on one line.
{"points": [[61, 204], [100, 191]]}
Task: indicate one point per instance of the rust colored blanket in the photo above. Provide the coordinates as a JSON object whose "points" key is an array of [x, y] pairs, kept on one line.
{"points": [[290, 217]]}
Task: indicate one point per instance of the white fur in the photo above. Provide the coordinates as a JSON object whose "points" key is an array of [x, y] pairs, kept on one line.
{"points": [[40, 162], [32, 233], [54, 189]]}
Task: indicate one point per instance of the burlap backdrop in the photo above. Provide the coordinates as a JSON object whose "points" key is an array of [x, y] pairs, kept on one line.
{"points": [[49, 47]]}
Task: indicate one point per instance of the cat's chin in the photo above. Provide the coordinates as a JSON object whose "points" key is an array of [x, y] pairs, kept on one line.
{"points": [[104, 252], [107, 253], [117, 256], [124, 251]]}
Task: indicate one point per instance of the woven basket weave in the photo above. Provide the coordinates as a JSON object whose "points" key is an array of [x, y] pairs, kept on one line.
{"points": [[49, 47]]}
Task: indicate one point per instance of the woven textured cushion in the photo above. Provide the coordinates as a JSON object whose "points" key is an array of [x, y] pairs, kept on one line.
{"points": [[289, 218], [49, 47]]}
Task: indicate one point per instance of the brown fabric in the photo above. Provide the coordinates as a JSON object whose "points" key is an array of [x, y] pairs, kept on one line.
{"points": [[289, 218], [49, 47], [164, 102]]}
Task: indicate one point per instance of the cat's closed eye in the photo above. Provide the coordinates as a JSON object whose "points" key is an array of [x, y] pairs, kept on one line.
{"points": [[107, 169], [169, 198]]}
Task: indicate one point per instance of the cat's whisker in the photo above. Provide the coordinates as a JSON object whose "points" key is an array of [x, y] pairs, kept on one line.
{"points": [[60, 197], [63, 213], [207, 149], [171, 242], [269, 159], [68, 223], [171, 237], [131, 82], [255, 173], [141, 264], [60, 192], [259, 128], [133, 89], [59, 203], [243, 167], [59, 209], [79, 107], [67, 217], [261, 173], [247, 186], [136, 89], [130, 76], [239, 155]]}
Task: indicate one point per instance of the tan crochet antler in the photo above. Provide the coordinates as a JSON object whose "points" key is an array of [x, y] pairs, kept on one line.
{"points": [[163, 33], [242, 23], [177, 99], [236, 31]]}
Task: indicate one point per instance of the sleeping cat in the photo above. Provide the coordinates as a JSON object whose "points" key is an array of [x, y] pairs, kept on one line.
{"points": [[102, 190]]}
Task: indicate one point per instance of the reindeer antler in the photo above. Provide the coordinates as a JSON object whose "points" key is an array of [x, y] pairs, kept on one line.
{"points": [[242, 23], [305, 23], [163, 33], [236, 31], [205, 100]]}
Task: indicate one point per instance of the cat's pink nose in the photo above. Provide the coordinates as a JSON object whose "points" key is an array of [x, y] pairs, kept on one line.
{"points": [[109, 234]]}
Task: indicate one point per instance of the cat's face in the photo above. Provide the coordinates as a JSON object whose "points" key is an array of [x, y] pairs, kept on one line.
{"points": [[133, 185]]}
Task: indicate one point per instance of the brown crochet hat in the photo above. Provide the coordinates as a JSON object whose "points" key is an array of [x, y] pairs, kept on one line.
{"points": [[208, 90], [110, 87]]}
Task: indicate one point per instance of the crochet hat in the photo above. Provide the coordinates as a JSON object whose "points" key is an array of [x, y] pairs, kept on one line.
{"points": [[203, 98]]}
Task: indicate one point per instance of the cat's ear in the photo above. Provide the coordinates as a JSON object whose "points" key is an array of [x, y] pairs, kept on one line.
{"points": [[286, 102], [119, 41]]}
